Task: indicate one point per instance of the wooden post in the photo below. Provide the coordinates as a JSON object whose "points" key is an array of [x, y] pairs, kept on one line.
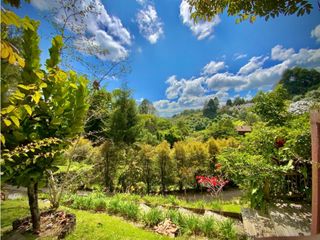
{"points": [[315, 139]]}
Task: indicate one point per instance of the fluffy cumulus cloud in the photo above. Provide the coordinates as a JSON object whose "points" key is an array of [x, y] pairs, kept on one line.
{"points": [[254, 75], [202, 29], [280, 53], [100, 33], [315, 33], [150, 25], [213, 67], [253, 64]]}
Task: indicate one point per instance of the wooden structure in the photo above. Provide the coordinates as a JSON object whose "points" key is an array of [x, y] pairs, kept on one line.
{"points": [[242, 130], [315, 138]]}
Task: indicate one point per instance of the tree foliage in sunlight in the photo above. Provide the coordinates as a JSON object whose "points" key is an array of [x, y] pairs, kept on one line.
{"points": [[248, 10]]}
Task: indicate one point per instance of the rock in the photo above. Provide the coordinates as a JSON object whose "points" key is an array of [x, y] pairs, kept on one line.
{"points": [[167, 228], [144, 208]]}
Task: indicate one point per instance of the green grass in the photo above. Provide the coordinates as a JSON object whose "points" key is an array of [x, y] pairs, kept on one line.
{"points": [[89, 225]]}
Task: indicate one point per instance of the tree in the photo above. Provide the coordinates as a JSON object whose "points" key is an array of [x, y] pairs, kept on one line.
{"points": [[183, 166], [243, 9], [229, 102], [147, 164], [238, 101], [222, 128], [124, 119], [165, 164], [210, 108], [272, 107], [97, 126], [298, 81], [213, 151], [110, 159], [198, 158], [44, 113], [146, 107]]}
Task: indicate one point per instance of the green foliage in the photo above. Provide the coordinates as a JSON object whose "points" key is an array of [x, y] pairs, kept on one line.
{"points": [[222, 128], [98, 122], [210, 108], [124, 120], [244, 10], [272, 107], [192, 225], [298, 81], [165, 164], [153, 217], [146, 107]]}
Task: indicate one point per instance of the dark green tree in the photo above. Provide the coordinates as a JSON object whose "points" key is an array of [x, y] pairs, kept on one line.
{"points": [[298, 81], [229, 102], [124, 120], [210, 108]]}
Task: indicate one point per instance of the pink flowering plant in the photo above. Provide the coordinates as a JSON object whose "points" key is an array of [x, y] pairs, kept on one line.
{"points": [[213, 184]]}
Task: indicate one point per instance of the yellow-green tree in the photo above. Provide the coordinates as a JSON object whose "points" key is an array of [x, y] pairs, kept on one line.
{"points": [[165, 164], [43, 112]]}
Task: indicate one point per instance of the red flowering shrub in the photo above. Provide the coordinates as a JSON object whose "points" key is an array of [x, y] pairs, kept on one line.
{"points": [[213, 184]]}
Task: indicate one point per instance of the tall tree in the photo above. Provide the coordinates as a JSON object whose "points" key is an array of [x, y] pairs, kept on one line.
{"points": [[147, 164], [46, 111], [210, 108], [298, 81], [243, 9], [165, 164], [124, 120], [146, 107], [183, 167], [97, 126]]}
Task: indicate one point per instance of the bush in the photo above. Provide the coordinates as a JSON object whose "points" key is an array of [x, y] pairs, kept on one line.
{"points": [[153, 217], [209, 227], [176, 217], [99, 204], [114, 205], [192, 225], [226, 230], [129, 210]]}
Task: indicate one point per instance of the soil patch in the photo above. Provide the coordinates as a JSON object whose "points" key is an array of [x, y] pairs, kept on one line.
{"points": [[52, 224]]}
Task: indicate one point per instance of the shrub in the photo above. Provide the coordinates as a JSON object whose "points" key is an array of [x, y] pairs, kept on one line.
{"points": [[129, 210], [226, 230], [98, 204], [191, 225], [175, 216], [153, 217], [209, 227], [114, 205]]}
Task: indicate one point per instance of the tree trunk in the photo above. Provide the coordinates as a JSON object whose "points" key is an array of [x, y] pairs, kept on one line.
{"points": [[34, 207]]}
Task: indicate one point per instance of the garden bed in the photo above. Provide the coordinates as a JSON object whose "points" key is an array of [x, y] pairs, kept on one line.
{"points": [[52, 224]]}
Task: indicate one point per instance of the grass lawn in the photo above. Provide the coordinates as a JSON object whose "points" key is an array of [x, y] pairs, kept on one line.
{"points": [[89, 225]]}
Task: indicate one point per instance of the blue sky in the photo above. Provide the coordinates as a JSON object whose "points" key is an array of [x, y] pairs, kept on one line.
{"points": [[179, 65]]}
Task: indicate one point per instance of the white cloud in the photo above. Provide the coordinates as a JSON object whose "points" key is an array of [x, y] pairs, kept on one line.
{"points": [[100, 31], [280, 53], [253, 64], [238, 56], [150, 25], [141, 2], [103, 46], [315, 33], [202, 29], [213, 67], [194, 92]]}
